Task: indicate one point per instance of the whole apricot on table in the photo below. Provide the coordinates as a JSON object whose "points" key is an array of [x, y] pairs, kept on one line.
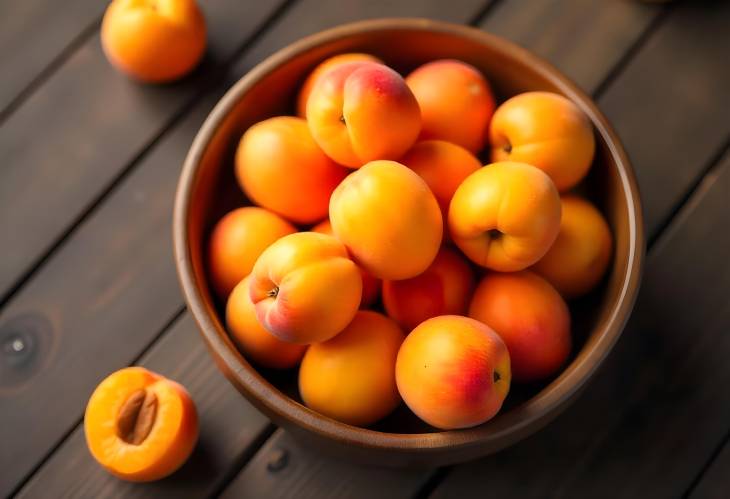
{"points": [[580, 255], [153, 40], [456, 102], [505, 216], [389, 220], [139, 425], [363, 111], [530, 316], [443, 289], [237, 241], [453, 372], [305, 288], [351, 378], [370, 285], [323, 68], [546, 130], [252, 339], [281, 168]]}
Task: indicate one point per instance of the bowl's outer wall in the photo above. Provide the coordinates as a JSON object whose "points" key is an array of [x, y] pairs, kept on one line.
{"points": [[207, 189]]}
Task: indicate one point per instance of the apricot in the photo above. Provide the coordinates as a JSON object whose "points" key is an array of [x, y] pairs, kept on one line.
{"points": [[531, 318], [280, 167], [389, 220], [456, 102], [254, 341], [370, 285], [545, 130], [363, 111], [443, 166], [453, 372], [505, 216], [351, 378], [580, 255], [139, 425], [305, 288], [153, 40], [323, 68], [443, 289], [237, 241]]}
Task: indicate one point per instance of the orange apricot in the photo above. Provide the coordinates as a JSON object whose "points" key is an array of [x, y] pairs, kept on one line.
{"points": [[443, 289], [280, 167], [351, 377], [139, 425], [237, 241], [531, 318], [456, 102], [153, 40]]}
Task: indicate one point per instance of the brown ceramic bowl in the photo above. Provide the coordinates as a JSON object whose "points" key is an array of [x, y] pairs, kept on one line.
{"points": [[207, 189]]}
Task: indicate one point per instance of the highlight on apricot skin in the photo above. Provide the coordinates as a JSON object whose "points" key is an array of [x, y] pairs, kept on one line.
{"points": [[280, 167], [580, 255], [453, 372], [236, 242], [154, 40], [456, 102], [139, 425], [305, 288], [351, 377], [370, 285], [389, 220], [323, 68], [254, 341], [443, 289]]}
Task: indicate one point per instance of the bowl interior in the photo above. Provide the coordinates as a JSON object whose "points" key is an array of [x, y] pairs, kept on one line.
{"points": [[208, 190]]}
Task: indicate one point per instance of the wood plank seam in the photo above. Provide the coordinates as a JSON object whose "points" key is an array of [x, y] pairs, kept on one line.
{"points": [[212, 83], [710, 460], [482, 14]]}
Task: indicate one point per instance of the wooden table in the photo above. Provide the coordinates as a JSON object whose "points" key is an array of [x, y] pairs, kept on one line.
{"points": [[89, 164]]}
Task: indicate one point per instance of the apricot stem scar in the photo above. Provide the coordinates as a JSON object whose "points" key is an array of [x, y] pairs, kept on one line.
{"points": [[342, 119], [507, 148], [494, 234], [496, 376], [137, 416], [273, 293]]}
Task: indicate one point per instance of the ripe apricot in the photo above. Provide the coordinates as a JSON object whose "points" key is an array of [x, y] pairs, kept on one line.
{"points": [[389, 220], [545, 130], [370, 285], [456, 102], [580, 255], [254, 341], [237, 241], [505, 216], [323, 68], [351, 378], [153, 40], [305, 288], [139, 425], [443, 289], [363, 111], [453, 372], [280, 167], [531, 318]]}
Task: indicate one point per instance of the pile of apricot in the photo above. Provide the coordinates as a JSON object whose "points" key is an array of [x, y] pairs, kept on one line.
{"points": [[387, 263]]}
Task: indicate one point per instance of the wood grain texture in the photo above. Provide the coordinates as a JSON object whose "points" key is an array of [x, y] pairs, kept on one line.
{"points": [[284, 469], [715, 483], [229, 427], [580, 38], [85, 125], [649, 421], [33, 34]]}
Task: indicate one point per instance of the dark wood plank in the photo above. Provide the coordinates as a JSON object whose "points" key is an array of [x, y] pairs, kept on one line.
{"points": [[35, 33], [85, 125], [715, 483], [580, 38], [284, 469], [229, 426], [658, 407]]}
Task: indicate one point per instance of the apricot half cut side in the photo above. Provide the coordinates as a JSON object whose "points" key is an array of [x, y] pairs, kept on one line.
{"points": [[139, 425]]}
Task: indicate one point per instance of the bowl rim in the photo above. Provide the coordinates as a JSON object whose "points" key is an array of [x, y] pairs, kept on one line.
{"points": [[510, 426]]}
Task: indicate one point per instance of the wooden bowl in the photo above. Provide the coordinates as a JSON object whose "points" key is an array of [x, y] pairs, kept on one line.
{"points": [[207, 190]]}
